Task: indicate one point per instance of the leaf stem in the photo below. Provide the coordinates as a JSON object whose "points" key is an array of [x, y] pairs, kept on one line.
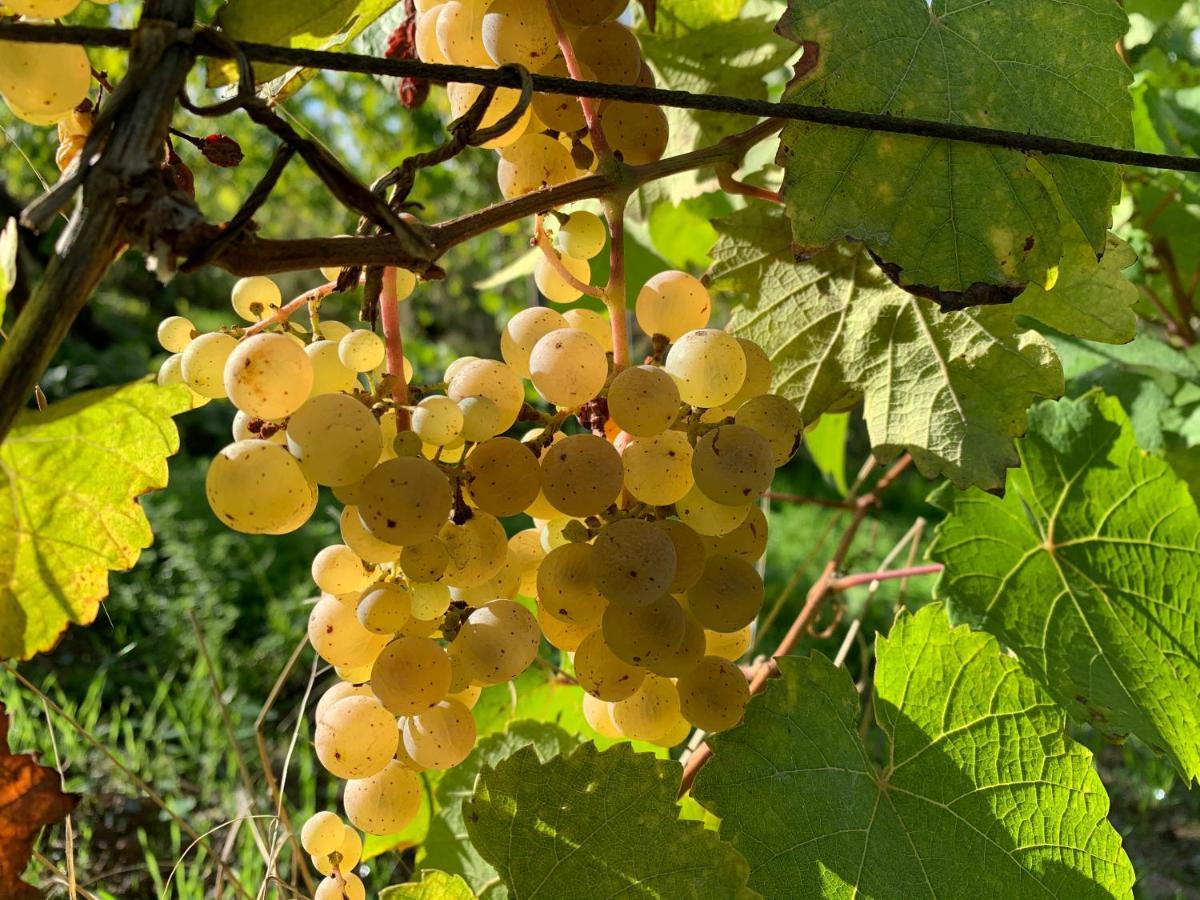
{"points": [[849, 581], [288, 309]]}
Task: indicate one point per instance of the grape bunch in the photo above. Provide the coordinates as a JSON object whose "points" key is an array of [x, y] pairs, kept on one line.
{"points": [[642, 484], [43, 83]]}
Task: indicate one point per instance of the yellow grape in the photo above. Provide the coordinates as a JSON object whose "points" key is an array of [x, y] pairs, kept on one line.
{"points": [[776, 419], [641, 635], [338, 570], [349, 887], [602, 673], [598, 714], [611, 51], [650, 712], [633, 562], [690, 553], [523, 331], [430, 600], [462, 96], [672, 304], [257, 487], [676, 734], [758, 374], [350, 851], [732, 645], [441, 737], [361, 350], [411, 675], [708, 365], [504, 476], [581, 475], [385, 608], [468, 696], [589, 12], [338, 637], [643, 400], [560, 112], [638, 131], [566, 636], [255, 297], [356, 536], [268, 376], [175, 333], [460, 33], [713, 695], [241, 429], [551, 282], [482, 419], [437, 420], [732, 464], [582, 236], [532, 162], [203, 363], [684, 655], [426, 40], [43, 81], [339, 691], [518, 31], [525, 551], [322, 834], [457, 366], [41, 9], [357, 738], [658, 469], [568, 367], [707, 517], [405, 500], [594, 323], [336, 439], [492, 380], [329, 375], [748, 540], [333, 330], [385, 802], [425, 561], [728, 596], [477, 549], [498, 641]]}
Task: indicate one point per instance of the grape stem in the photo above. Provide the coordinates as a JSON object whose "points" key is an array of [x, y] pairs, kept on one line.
{"points": [[542, 241], [732, 185], [389, 317], [285, 312], [614, 291], [591, 115], [860, 578]]}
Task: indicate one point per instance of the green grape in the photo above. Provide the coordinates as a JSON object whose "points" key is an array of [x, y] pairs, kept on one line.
{"points": [[498, 641], [257, 487], [425, 561], [532, 162], [568, 367], [477, 549], [566, 636], [492, 380], [348, 887], [430, 600], [560, 112], [426, 40], [594, 323], [643, 401], [43, 81], [685, 654], [361, 350], [776, 419], [567, 589], [525, 550], [437, 420], [268, 376], [385, 608], [602, 673], [598, 714], [690, 554], [322, 834], [611, 51], [411, 675], [642, 635], [707, 517], [523, 331], [728, 596], [256, 297], [336, 439], [460, 33], [504, 476], [385, 802], [482, 419], [672, 304], [338, 570], [589, 12], [175, 333], [551, 283], [633, 562], [708, 366], [732, 464], [748, 541], [329, 375], [405, 501], [441, 737], [582, 236], [650, 712], [462, 96], [350, 852], [517, 31], [581, 475], [340, 691], [203, 363], [728, 645], [658, 469], [635, 130], [713, 695], [241, 429], [338, 637], [357, 738], [356, 536]]}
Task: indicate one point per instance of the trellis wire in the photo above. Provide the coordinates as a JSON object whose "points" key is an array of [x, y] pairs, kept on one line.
{"points": [[204, 44]]}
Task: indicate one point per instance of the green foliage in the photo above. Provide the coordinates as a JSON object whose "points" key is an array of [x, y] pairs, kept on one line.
{"points": [[966, 222], [826, 443], [8, 262], [1089, 570], [432, 886], [978, 783]]}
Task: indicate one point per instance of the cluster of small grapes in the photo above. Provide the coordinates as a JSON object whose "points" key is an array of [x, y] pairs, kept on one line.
{"points": [[43, 83]]}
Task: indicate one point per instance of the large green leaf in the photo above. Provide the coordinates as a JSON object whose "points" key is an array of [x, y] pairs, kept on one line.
{"points": [[71, 477], [951, 388], [979, 793], [597, 824], [964, 223], [432, 886], [1089, 570], [447, 847]]}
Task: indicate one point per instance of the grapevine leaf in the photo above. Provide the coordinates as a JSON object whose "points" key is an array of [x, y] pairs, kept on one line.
{"points": [[447, 847], [979, 785], [827, 446], [965, 224], [8, 262], [433, 885], [31, 797], [72, 476], [674, 17], [1089, 570], [951, 388], [596, 824]]}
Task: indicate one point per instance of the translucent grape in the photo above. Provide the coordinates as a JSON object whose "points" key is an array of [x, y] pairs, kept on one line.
{"points": [[204, 361], [501, 586], [430, 600], [477, 549], [672, 304], [257, 487], [322, 834], [385, 802], [504, 476], [554, 533], [333, 330], [241, 429], [589, 12], [348, 887], [650, 712], [643, 400], [411, 675], [732, 464], [635, 130], [713, 695], [642, 635], [728, 596], [598, 714], [611, 51], [758, 374], [43, 81], [460, 33], [175, 333], [340, 691], [426, 41], [633, 562], [568, 367], [776, 419], [517, 31], [255, 297], [594, 323], [602, 673], [457, 366], [525, 550], [385, 608], [559, 112], [689, 554], [357, 738], [551, 283], [676, 734], [706, 516], [531, 162], [708, 366], [356, 536], [425, 561], [406, 283], [581, 475], [354, 674], [732, 645], [406, 500], [482, 419], [462, 96], [338, 637], [329, 375], [748, 541], [336, 439], [658, 469], [523, 331], [42, 9], [492, 380], [268, 376], [566, 636], [583, 235], [684, 655], [338, 570], [361, 350], [437, 420], [468, 696], [350, 852], [441, 737], [498, 641]]}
